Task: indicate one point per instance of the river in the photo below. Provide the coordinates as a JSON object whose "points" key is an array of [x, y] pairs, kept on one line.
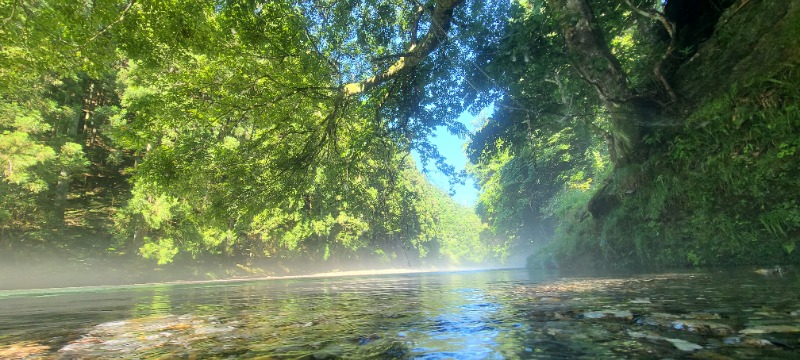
{"points": [[498, 314]]}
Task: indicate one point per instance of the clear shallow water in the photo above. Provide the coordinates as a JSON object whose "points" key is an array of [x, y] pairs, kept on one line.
{"points": [[505, 314]]}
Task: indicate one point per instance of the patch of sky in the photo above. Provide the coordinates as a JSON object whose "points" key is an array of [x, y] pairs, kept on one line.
{"points": [[452, 148]]}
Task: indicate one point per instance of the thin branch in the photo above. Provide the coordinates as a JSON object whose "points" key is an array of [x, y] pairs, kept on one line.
{"points": [[565, 99], [333, 63], [655, 15], [119, 20], [13, 12], [670, 27]]}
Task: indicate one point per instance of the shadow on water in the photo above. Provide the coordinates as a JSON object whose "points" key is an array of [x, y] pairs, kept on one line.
{"points": [[502, 314]]}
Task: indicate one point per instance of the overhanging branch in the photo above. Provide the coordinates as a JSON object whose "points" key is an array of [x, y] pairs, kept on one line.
{"points": [[441, 19]]}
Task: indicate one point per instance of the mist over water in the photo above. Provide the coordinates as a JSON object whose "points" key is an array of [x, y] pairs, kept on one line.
{"points": [[54, 272]]}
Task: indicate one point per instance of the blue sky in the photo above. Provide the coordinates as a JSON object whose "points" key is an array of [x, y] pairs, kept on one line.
{"points": [[452, 148]]}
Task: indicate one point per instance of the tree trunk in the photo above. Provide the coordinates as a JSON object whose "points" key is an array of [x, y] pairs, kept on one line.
{"points": [[600, 68], [441, 19], [72, 127], [597, 66]]}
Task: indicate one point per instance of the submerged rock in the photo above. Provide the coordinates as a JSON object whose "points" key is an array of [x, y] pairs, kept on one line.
{"points": [[757, 342], [704, 316], [684, 345], [549, 299], [158, 334], [640, 301], [213, 329], [768, 329], [611, 314], [694, 322], [22, 350], [679, 344], [733, 340], [709, 355], [363, 340], [657, 319], [775, 271], [703, 327]]}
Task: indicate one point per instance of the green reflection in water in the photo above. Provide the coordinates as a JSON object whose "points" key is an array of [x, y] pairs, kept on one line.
{"points": [[156, 304]]}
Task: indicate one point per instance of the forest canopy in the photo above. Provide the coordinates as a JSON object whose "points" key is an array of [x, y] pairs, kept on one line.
{"points": [[233, 128], [212, 129]]}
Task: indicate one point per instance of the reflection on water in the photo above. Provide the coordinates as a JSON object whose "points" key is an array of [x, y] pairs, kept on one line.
{"points": [[474, 315]]}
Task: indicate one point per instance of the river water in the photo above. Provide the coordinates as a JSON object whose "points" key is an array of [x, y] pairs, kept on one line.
{"points": [[499, 314]]}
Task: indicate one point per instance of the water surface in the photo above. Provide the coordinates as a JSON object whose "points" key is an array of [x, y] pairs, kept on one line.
{"points": [[501, 314]]}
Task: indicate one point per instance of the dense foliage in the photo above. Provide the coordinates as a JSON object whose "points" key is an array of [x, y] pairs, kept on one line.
{"points": [[228, 130], [625, 134], [707, 124]]}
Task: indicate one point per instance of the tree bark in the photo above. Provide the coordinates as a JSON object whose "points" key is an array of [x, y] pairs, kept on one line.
{"points": [[600, 68], [628, 113], [441, 19]]}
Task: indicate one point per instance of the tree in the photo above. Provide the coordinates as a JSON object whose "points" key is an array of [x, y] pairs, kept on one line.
{"points": [[51, 56], [250, 136]]}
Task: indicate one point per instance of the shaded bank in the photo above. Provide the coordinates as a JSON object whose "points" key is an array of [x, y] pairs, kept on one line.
{"points": [[713, 179], [720, 188]]}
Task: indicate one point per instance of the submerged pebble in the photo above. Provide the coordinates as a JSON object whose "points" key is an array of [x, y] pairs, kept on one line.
{"points": [[768, 329], [757, 342], [616, 314], [679, 344]]}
